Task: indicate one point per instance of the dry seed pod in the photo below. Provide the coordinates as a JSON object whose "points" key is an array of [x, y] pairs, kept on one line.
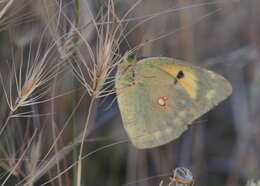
{"points": [[182, 176]]}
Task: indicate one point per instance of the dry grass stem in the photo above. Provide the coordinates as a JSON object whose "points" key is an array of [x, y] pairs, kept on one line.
{"points": [[6, 8]]}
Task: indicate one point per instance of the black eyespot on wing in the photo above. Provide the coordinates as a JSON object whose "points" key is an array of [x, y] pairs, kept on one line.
{"points": [[180, 75]]}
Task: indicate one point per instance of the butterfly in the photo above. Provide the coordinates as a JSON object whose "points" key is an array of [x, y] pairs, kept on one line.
{"points": [[159, 97]]}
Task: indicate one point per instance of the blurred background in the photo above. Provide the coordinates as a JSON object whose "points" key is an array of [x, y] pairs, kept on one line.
{"points": [[47, 48]]}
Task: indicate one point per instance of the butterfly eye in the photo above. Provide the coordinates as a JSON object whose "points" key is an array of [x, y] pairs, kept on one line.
{"points": [[180, 75], [130, 58]]}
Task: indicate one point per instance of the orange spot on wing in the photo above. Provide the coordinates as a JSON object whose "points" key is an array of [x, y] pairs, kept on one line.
{"points": [[162, 101], [165, 98]]}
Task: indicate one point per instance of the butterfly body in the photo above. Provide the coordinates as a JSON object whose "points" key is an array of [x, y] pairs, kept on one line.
{"points": [[159, 97]]}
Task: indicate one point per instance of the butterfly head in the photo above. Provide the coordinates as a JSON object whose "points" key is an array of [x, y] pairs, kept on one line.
{"points": [[126, 70], [130, 59]]}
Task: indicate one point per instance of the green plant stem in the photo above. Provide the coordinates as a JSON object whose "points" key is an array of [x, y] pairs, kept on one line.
{"points": [[77, 5]]}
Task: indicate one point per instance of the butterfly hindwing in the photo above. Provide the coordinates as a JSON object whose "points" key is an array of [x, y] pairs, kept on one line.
{"points": [[159, 97]]}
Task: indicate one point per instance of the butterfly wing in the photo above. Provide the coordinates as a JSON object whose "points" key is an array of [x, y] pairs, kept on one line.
{"points": [[159, 97]]}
